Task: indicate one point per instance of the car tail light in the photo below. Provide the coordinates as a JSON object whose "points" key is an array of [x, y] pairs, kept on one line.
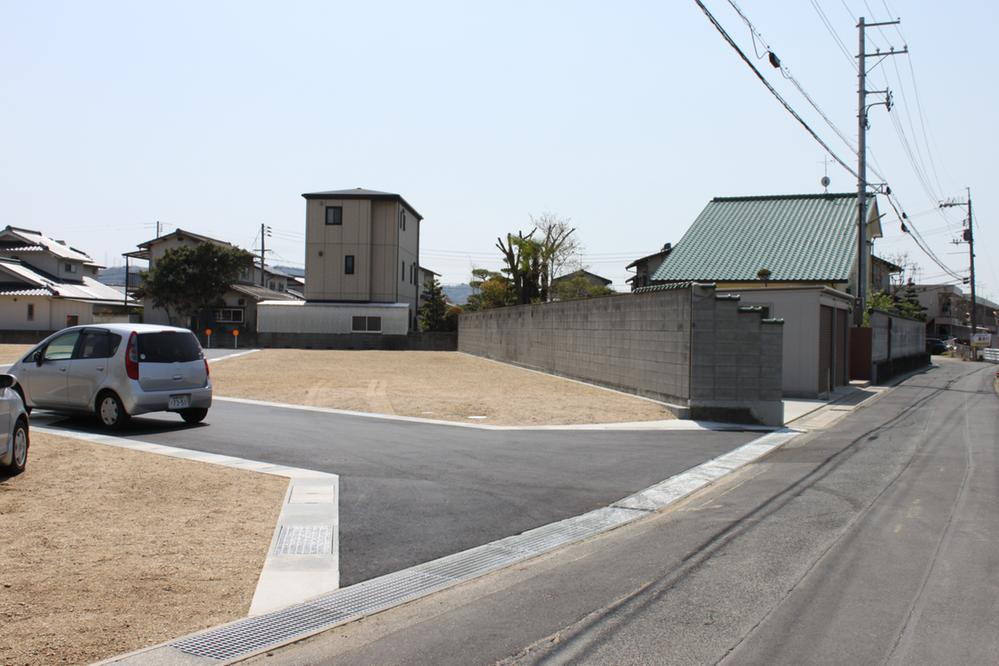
{"points": [[207, 371], [132, 357]]}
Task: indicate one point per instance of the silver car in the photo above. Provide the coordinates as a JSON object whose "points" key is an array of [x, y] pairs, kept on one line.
{"points": [[14, 426], [117, 371]]}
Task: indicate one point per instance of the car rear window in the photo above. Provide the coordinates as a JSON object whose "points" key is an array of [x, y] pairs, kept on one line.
{"points": [[168, 347]]}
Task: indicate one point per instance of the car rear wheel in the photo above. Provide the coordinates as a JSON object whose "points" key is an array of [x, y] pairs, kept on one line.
{"points": [[20, 441], [194, 414], [110, 411]]}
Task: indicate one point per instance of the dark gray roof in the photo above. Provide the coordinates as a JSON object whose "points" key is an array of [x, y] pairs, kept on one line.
{"points": [[583, 273], [362, 193]]}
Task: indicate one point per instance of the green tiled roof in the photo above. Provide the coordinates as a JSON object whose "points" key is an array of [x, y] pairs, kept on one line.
{"points": [[796, 237]]}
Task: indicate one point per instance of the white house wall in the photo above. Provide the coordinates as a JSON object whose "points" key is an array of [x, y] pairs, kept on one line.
{"points": [[332, 318], [50, 313], [799, 308]]}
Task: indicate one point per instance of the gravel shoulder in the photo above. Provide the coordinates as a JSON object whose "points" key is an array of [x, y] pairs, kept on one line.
{"points": [[437, 385], [108, 550]]}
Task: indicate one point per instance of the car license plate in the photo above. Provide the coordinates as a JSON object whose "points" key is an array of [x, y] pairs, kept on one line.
{"points": [[180, 401]]}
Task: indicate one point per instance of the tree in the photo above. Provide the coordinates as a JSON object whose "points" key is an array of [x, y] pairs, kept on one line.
{"points": [[434, 309], [578, 287], [492, 290], [904, 302], [557, 248], [907, 302], [534, 259], [188, 280]]}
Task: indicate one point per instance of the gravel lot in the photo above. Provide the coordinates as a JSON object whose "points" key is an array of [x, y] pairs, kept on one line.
{"points": [[107, 550], [437, 385], [10, 353]]}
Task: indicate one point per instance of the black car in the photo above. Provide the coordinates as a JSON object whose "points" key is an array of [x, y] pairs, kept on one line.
{"points": [[935, 346]]}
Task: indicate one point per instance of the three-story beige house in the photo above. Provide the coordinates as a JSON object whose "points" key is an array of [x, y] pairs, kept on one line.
{"points": [[362, 272]]}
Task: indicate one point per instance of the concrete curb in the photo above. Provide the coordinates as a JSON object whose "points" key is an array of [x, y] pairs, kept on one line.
{"points": [[241, 639], [672, 424]]}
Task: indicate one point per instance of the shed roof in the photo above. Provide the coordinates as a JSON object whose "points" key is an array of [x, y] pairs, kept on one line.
{"points": [[258, 293], [805, 237]]}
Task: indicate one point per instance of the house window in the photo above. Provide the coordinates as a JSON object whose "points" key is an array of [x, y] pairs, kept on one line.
{"points": [[366, 324], [403, 220], [229, 316], [334, 215], [31, 312], [348, 264], [412, 273], [72, 320], [69, 268], [402, 274]]}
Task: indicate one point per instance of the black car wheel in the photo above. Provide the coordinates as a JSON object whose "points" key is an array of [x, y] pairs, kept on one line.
{"points": [[19, 455], [193, 415]]}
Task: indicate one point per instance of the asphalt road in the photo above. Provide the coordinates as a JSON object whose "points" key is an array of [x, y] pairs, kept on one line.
{"points": [[412, 492], [872, 542]]}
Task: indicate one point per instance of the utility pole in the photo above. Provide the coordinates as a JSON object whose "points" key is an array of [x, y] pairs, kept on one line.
{"points": [[968, 237], [265, 231], [862, 108], [158, 225]]}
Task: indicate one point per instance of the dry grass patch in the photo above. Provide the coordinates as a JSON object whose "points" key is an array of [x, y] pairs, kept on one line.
{"points": [[436, 385], [11, 353], [108, 550]]}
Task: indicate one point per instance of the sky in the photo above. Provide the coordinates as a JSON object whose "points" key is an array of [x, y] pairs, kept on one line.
{"points": [[626, 118]]}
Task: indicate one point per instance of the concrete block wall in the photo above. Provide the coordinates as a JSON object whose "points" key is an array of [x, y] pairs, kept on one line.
{"points": [[681, 346], [736, 360], [637, 343]]}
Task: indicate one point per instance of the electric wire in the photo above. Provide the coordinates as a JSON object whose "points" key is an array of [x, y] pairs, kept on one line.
{"points": [[786, 73], [772, 90], [834, 34]]}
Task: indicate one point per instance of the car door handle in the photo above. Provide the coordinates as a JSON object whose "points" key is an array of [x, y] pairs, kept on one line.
{"points": [[62, 369], [100, 370]]}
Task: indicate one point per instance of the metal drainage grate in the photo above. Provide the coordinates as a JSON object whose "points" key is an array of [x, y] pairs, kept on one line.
{"points": [[254, 634], [304, 540]]}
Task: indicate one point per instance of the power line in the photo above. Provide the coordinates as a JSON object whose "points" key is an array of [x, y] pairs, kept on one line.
{"points": [[834, 34], [772, 90], [786, 73]]}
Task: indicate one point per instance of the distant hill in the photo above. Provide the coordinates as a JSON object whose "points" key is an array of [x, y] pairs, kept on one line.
{"points": [[458, 293], [291, 270], [114, 276]]}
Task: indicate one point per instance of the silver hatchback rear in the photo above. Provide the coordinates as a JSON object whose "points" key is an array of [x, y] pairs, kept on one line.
{"points": [[118, 371]]}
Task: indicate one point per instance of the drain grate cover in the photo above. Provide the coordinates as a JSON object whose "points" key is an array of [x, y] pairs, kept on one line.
{"points": [[245, 637], [304, 540]]}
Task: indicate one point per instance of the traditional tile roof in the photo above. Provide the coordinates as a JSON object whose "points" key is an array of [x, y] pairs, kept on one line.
{"points": [[809, 237], [29, 240], [41, 284]]}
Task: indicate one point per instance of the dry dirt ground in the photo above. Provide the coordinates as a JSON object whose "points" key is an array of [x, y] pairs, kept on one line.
{"points": [[435, 385], [10, 353], [107, 550]]}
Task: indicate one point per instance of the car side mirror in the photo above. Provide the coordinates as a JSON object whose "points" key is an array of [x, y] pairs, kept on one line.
{"points": [[39, 357], [6, 381]]}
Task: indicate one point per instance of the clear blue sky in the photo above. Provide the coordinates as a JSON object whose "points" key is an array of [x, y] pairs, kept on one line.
{"points": [[625, 117]]}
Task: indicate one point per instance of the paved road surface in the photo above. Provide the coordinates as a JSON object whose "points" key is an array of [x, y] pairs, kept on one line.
{"points": [[413, 492], [873, 542]]}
